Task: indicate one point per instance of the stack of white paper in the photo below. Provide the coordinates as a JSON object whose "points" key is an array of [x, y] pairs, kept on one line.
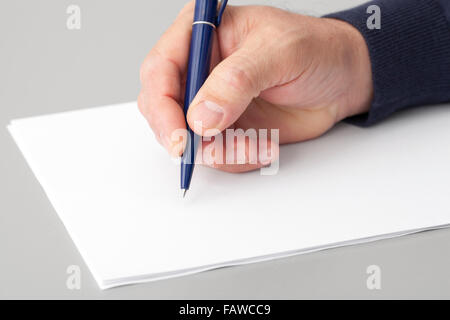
{"points": [[117, 192]]}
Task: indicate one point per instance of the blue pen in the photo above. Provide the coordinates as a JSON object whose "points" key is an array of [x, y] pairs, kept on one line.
{"points": [[206, 19]]}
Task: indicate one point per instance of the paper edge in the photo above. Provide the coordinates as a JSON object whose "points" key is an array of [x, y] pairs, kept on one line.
{"points": [[69, 111], [114, 283]]}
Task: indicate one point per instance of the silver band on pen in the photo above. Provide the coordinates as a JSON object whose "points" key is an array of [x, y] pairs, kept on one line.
{"points": [[205, 22]]}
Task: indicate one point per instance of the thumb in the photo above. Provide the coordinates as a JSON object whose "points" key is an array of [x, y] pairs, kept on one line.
{"points": [[228, 91]]}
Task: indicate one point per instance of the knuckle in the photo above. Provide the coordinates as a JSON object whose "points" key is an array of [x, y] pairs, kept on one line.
{"points": [[144, 70], [148, 66], [238, 77], [145, 108], [141, 104]]}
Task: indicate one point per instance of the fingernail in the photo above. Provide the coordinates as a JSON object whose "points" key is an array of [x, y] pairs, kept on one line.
{"points": [[210, 114]]}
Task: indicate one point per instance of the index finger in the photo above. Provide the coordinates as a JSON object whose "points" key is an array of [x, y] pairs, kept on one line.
{"points": [[161, 77]]}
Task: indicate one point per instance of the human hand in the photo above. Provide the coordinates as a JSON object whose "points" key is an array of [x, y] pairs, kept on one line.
{"points": [[272, 69]]}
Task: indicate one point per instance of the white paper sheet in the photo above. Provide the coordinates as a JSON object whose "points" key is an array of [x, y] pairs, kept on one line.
{"points": [[117, 192]]}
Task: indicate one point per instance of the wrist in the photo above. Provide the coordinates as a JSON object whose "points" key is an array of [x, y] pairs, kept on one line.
{"points": [[358, 69]]}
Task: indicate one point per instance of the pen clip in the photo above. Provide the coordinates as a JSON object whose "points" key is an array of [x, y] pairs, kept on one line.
{"points": [[223, 4]]}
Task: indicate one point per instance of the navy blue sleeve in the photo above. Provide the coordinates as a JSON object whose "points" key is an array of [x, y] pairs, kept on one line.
{"points": [[410, 54], [446, 6]]}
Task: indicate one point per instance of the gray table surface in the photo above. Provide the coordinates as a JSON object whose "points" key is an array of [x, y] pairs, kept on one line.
{"points": [[46, 68]]}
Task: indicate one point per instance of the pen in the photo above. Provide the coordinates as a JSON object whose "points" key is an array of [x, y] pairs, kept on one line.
{"points": [[206, 19]]}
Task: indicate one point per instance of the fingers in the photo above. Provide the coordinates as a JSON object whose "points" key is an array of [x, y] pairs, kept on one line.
{"points": [[256, 59], [161, 78], [174, 43], [229, 89], [166, 119], [241, 153]]}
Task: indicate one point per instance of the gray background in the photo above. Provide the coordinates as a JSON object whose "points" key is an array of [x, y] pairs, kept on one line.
{"points": [[45, 68]]}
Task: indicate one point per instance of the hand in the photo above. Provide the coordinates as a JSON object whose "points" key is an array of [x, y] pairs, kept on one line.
{"points": [[271, 69]]}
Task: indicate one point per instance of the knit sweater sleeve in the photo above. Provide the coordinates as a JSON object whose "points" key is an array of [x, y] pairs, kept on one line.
{"points": [[409, 53]]}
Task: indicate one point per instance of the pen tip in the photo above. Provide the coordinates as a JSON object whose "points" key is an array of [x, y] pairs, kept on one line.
{"points": [[184, 193]]}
